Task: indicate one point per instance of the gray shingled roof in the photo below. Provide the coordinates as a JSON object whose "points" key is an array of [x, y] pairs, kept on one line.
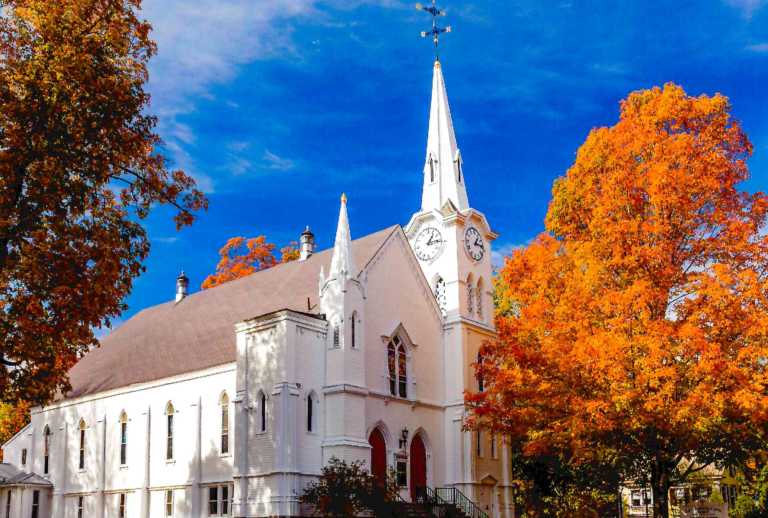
{"points": [[12, 476], [199, 332]]}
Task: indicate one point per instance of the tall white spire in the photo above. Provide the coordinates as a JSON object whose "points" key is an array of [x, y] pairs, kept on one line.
{"points": [[343, 261], [443, 172]]}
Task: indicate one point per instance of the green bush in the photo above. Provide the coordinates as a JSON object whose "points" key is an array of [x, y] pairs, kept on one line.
{"points": [[745, 507]]}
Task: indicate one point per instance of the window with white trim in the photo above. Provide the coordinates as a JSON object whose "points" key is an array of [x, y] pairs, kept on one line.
{"points": [[169, 432], [225, 495], [310, 413], [336, 341], [353, 333], [169, 503], [480, 298], [263, 412], [224, 424], [123, 439], [479, 444], [47, 453], [24, 457], [431, 169], [8, 505], [470, 298], [213, 501], [79, 507], [36, 505], [494, 453], [397, 366], [81, 464], [121, 505]]}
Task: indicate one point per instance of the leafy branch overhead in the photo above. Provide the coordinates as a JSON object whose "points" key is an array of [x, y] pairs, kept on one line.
{"points": [[80, 167]]}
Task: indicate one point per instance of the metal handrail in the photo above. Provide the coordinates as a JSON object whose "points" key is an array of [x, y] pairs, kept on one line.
{"points": [[457, 498], [439, 507]]}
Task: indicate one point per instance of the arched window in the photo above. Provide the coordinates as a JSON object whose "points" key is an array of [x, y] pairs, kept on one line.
{"points": [[352, 330], [440, 294], [458, 167], [336, 335], [310, 413], [169, 445], [431, 169], [480, 295], [224, 424], [47, 439], [123, 439], [479, 378], [81, 464], [263, 411], [470, 297], [397, 367]]}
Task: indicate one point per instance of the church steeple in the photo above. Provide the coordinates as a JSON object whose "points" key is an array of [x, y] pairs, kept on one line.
{"points": [[443, 171], [343, 260]]}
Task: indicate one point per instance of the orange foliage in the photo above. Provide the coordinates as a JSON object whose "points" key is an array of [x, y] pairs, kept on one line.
{"points": [[79, 158], [13, 417], [635, 332], [241, 257]]}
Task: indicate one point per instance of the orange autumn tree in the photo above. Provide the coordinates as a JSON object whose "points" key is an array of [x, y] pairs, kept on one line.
{"points": [[634, 339], [81, 166], [241, 257]]}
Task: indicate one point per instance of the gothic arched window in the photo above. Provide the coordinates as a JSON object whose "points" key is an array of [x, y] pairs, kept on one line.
{"points": [[47, 439], [440, 294], [336, 335], [169, 432], [397, 365], [479, 378], [480, 295], [123, 438], [458, 166], [81, 464], [311, 412], [470, 298], [224, 424], [263, 410], [352, 330]]}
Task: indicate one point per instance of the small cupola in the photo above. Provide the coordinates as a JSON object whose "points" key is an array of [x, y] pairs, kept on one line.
{"points": [[182, 283], [307, 245]]}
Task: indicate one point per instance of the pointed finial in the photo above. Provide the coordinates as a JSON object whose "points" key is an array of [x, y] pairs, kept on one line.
{"points": [[436, 31], [343, 198]]}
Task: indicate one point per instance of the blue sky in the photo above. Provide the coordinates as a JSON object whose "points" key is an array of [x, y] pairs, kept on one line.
{"points": [[276, 107]]}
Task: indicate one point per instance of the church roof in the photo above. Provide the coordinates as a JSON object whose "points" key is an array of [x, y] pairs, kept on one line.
{"points": [[198, 332], [13, 476]]}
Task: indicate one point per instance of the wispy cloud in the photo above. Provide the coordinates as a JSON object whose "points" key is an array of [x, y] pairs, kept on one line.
{"points": [[275, 162], [502, 250], [165, 239], [760, 47], [747, 7]]}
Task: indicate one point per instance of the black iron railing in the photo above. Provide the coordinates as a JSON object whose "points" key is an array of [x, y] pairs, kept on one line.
{"points": [[437, 505], [453, 496]]}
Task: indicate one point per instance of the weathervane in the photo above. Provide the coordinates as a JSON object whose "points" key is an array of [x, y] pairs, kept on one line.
{"points": [[435, 30]]}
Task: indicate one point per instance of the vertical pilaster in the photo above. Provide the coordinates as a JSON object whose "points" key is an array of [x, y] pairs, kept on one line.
{"points": [[145, 475], [60, 485], [285, 401], [101, 430], [241, 415], [194, 473]]}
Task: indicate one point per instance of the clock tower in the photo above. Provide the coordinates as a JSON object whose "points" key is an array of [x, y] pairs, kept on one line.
{"points": [[452, 243]]}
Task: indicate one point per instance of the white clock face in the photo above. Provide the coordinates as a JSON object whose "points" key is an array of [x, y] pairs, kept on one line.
{"points": [[428, 244], [473, 244]]}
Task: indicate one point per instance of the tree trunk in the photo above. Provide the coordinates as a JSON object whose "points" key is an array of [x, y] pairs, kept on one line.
{"points": [[660, 486]]}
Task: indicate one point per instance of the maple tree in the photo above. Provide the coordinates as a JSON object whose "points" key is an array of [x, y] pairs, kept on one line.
{"points": [[241, 257], [13, 417], [634, 332], [80, 166]]}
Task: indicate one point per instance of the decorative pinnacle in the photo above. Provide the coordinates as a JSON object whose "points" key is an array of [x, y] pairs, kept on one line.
{"points": [[435, 29], [343, 198]]}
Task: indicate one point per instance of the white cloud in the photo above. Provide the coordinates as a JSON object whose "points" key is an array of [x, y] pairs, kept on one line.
{"points": [[760, 47], [747, 7], [501, 250], [165, 239], [275, 162]]}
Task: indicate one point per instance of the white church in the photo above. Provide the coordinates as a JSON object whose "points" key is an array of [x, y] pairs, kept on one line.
{"points": [[227, 402]]}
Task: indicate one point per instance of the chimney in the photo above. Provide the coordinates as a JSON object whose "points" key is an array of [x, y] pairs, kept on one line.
{"points": [[182, 283], [307, 245]]}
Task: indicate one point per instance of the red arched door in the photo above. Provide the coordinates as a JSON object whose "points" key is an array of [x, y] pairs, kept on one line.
{"points": [[418, 460], [378, 456]]}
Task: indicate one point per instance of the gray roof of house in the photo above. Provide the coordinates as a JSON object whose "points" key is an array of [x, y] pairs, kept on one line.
{"points": [[198, 332], [13, 476]]}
